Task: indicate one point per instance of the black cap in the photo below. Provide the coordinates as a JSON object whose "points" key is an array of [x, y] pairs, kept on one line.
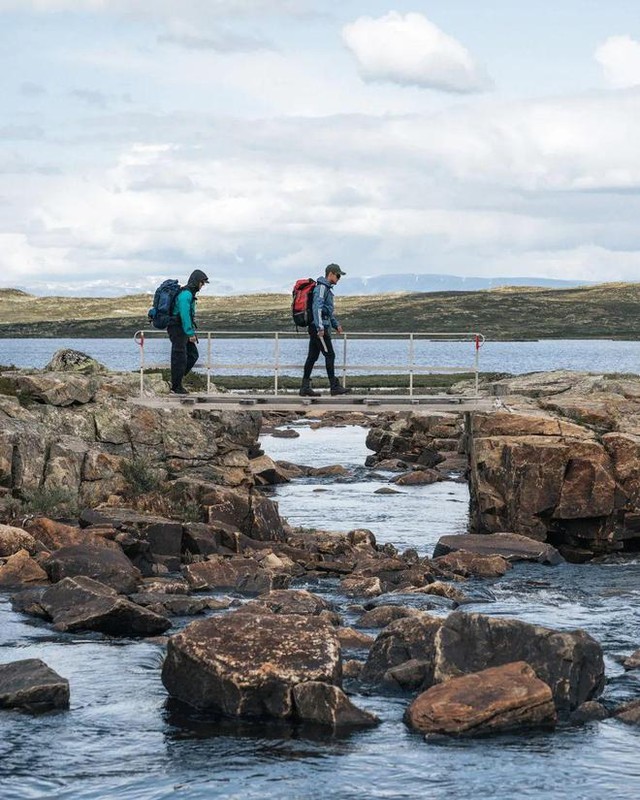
{"points": [[337, 270]]}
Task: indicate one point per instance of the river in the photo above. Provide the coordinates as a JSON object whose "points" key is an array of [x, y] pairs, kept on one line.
{"points": [[121, 739]]}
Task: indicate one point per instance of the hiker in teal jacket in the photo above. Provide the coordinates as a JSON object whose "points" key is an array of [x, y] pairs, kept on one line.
{"points": [[182, 331]]}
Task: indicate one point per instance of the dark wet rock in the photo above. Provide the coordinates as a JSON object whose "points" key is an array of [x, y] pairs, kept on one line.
{"points": [[199, 538], [465, 563], [292, 601], [173, 605], [591, 711], [83, 604], [402, 641], [633, 661], [629, 713], [362, 539], [247, 665], [352, 668], [408, 676], [418, 477], [285, 433], [381, 616], [108, 566], [68, 360], [387, 490], [14, 539], [21, 569], [236, 572], [323, 704], [30, 685], [511, 546], [494, 700], [570, 662], [388, 464]]}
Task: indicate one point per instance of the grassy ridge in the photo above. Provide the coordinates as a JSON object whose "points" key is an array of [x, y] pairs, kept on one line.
{"points": [[604, 311]]}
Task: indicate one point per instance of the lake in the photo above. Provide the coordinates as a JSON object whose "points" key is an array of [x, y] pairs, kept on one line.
{"points": [[592, 355]]}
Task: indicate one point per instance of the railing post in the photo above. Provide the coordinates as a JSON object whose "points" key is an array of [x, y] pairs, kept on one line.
{"points": [[208, 362], [411, 364], [344, 360], [477, 363], [277, 364], [141, 343]]}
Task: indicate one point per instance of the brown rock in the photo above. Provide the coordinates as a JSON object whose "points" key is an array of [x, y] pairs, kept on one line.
{"points": [[629, 713], [237, 572], [30, 685], [494, 700], [55, 535], [510, 546], [14, 539], [248, 665], [381, 616], [418, 477], [464, 563], [106, 565], [361, 586], [324, 704], [352, 639], [633, 661], [22, 570]]}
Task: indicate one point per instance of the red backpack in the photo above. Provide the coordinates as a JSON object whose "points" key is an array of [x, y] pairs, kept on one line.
{"points": [[301, 304]]}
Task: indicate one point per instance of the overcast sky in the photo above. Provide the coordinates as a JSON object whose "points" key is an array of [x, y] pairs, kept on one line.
{"points": [[262, 139]]}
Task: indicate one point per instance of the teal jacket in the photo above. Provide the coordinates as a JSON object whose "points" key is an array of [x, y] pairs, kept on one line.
{"points": [[185, 310]]}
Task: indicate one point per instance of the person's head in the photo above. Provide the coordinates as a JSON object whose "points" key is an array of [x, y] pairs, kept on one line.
{"points": [[197, 280], [333, 273]]}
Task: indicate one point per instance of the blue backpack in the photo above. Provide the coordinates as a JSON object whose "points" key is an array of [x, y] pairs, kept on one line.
{"points": [[161, 312]]}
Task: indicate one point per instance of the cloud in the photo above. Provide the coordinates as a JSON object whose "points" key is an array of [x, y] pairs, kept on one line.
{"points": [[619, 57], [412, 51], [221, 40], [30, 89]]}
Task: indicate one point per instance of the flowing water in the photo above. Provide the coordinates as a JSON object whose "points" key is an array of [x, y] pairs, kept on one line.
{"points": [[122, 739]]}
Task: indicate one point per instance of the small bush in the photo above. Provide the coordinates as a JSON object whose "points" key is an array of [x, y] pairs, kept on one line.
{"points": [[140, 475], [54, 502]]}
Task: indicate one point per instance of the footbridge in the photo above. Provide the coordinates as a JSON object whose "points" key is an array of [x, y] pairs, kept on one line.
{"points": [[275, 359]]}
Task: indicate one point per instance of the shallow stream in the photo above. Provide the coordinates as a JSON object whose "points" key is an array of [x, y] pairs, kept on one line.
{"points": [[121, 738]]}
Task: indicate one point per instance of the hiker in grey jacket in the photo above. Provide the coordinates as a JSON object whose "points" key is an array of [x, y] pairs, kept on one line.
{"points": [[324, 321], [182, 331]]}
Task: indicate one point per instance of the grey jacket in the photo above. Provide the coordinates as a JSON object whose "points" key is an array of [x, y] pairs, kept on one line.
{"points": [[322, 305]]}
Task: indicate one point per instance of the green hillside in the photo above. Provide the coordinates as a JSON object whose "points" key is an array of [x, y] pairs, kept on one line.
{"points": [[604, 311]]}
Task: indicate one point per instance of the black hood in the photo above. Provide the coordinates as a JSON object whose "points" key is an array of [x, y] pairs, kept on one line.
{"points": [[195, 279]]}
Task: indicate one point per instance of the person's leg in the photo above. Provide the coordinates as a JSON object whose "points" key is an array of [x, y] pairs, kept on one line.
{"points": [[329, 358], [179, 342], [312, 357], [192, 357]]}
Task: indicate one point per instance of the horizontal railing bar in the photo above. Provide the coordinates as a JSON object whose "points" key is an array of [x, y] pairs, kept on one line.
{"points": [[386, 334]]}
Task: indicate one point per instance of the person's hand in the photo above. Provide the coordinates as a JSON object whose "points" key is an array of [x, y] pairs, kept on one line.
{"points": [[339, 329], [193, 339], [321, 332]]}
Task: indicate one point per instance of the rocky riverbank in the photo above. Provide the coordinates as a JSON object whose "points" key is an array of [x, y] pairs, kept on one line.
{"points": [[165, 509]]}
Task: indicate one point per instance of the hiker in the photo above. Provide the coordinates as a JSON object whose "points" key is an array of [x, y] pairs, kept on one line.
{"points": [[323, 320], [182, 331]]}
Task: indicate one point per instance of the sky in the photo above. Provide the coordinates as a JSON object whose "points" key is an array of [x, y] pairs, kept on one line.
{"points": [[260, 140]]}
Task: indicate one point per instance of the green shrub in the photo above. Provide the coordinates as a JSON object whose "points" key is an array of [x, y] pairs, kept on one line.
{"points": [[140, 476], [53, 502]]}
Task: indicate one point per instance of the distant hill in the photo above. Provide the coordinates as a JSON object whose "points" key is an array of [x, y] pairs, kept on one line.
{"points": [[599, 311], [412, 282]]}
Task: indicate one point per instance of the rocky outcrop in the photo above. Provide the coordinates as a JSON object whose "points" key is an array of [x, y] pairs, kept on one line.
{"points": [[30, 685], [570, 662], [110, 567], [494, 700], [510, 546], [20, 570], [324, 704], [247, 665]]}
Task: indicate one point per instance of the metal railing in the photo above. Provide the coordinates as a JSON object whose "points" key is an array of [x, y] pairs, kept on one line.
{"points": [[277, 367]]}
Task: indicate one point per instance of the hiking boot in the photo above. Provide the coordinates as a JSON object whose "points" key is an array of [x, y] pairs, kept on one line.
{"points": [[337, 388], [306, 390], [179, 390]]}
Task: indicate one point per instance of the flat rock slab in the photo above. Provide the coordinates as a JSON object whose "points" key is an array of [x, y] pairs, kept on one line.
{"points": [[30, 685], [512, 546], [491, 701], [246, 665]]}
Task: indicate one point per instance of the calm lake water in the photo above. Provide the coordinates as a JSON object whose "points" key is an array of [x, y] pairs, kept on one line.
{"points": [[121, 739], [600, 355]]}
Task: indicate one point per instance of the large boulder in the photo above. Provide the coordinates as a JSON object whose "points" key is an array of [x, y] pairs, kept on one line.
{"points": [[109, 566], [82, 604], [21, 569], [68, 360], [409, 639], [30, 685], [237, 572], [491, 701], [570, 662], [54, 535], [247, 665], [512, 546], [14, 539]]}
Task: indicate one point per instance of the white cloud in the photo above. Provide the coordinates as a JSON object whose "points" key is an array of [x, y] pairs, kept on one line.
{"points": [[619, 57], [411, 50]]}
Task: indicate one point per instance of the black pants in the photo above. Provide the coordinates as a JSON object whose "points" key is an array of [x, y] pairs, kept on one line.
{"points": [[315, 348], [184, 355]]}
